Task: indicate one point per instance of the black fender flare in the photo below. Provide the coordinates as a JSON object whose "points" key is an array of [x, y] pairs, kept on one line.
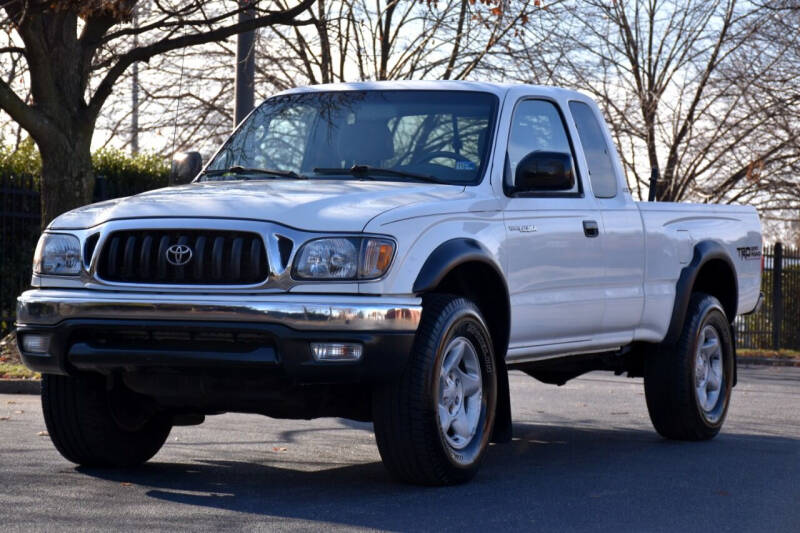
{"points": [[443, 260], [449, 255], [704, 251]]}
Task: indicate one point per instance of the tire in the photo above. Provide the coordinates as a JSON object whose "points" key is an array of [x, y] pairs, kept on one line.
{"points": [[431, 426], [93, 426], [688, 385]]}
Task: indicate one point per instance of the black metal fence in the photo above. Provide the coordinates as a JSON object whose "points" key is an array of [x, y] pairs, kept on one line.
{"points": [[777, 324], [20, 222], [20, 226]]}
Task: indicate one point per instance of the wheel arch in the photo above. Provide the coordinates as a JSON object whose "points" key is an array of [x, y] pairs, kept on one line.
{"points": [[466, 268], [711, 271]]}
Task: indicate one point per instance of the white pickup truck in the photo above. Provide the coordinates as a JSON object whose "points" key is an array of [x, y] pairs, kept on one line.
{"points": [[386, 252]]}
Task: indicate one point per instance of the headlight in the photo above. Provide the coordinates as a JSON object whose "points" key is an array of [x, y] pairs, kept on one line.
{"points": [[57, 253], [344, 258]]}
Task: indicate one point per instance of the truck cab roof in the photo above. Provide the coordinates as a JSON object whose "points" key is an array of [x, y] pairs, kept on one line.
{"points": [[499, 89]]}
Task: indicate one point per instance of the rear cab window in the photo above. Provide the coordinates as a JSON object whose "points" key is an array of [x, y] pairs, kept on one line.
{"points": [[598, 156]]}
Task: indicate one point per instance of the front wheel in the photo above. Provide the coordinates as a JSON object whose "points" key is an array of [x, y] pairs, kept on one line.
{"points": [[688, 385], [433, 425], [92, 425]]}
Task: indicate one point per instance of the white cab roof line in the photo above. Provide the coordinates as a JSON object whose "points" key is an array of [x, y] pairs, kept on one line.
{"points": [[498, 89]]}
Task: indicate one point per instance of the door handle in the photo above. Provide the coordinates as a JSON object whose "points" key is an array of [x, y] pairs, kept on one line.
{"points": [[590, 228]]}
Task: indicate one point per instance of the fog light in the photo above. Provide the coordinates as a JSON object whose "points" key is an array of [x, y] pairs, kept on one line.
{"points": [[35, 343], [336, 351]]}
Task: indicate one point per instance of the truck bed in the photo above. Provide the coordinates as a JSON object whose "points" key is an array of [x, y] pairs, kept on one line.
{"points": [[671, 231]]}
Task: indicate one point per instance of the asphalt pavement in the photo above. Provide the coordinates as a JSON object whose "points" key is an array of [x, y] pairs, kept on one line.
{"points": [[584, 458]]}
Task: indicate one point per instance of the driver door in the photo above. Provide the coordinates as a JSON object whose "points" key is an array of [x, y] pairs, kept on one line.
{"points": [[554, 256]]}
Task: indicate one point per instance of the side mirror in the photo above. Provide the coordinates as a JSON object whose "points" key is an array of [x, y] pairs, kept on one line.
{"points": [[185, 167], [544, 172]]}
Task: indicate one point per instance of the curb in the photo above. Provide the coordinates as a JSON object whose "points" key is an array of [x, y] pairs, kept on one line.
{"points": [[20, 386], [769, 361]]}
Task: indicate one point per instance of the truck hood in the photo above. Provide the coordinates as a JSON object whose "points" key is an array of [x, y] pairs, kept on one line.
{"points": [[329, 205]]}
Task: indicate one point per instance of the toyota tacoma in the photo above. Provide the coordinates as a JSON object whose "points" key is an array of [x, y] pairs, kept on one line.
{"points": [[386, 252]]}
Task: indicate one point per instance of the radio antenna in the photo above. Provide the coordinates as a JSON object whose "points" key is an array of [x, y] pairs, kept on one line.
{"points": [[178, 105]]}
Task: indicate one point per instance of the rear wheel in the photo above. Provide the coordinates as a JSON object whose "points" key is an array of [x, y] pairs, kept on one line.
{"points": [[433, 425], [688, 385], [92, 425]]}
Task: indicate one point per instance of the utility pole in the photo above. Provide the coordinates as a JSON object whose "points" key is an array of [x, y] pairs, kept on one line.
{"points": [[135, 90], [245, 66]]}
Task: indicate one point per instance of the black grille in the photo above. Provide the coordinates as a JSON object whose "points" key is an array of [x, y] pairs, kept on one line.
{"points": [[217, 257]]}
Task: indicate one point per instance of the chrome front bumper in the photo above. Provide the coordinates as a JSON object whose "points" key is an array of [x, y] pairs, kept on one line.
{"points": [[317, 312]]}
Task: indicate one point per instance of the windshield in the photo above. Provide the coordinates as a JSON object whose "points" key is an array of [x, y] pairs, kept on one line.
{"points": [[441, 134]]}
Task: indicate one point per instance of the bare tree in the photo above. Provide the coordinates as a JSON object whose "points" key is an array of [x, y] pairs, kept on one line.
{"points": [[682, 85], [77, 51], [185, 101], [344, 40], [776, 56], [401, 39]]}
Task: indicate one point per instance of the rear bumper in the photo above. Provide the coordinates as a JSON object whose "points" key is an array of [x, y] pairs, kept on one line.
{"points": [[108, 332]]}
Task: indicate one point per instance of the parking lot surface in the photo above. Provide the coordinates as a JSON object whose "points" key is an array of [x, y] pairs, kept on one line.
{"points": [[584, 458]]}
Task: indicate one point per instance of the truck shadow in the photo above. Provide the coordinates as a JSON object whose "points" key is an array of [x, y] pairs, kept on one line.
{"points": [[551, 476]]}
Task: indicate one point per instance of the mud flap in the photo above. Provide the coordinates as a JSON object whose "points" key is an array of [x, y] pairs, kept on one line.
{"points": [[502, 418]]}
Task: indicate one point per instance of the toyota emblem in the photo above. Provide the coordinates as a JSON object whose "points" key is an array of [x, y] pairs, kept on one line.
{"points": [[179, 254]]}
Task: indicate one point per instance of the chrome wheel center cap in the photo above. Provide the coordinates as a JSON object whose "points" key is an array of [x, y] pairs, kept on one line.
{"points": [[453, 395]]}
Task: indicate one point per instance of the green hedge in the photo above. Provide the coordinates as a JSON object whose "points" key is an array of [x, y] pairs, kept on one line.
{"points": [[137, 173], [24, 161], [126, 175]]}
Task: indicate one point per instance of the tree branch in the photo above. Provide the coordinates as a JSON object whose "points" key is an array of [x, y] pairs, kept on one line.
{"points": [[26, 116], [144, 53], [12, 50]]}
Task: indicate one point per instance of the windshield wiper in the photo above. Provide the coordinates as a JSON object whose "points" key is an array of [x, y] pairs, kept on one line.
{"points": [[238, 170], [364, 171]]}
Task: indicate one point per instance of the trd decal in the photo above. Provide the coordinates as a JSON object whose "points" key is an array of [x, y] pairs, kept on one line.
{"points": [[749, 252]]}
